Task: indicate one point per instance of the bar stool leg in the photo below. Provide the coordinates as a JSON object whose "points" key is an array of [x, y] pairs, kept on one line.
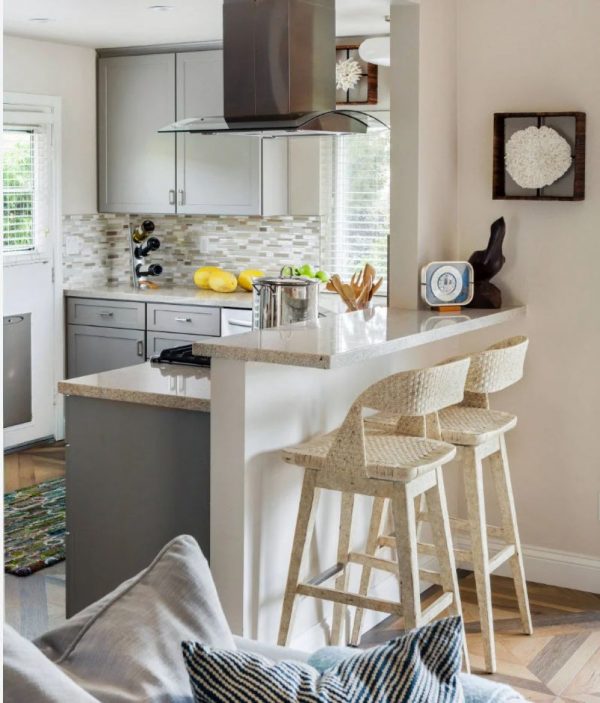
{"points": [[501, 474], [477, 521], [365, 577], [440, 524], [341, 582], [405, 531], [305, 523]]}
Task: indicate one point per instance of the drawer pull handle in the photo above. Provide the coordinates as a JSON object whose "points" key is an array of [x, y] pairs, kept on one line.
{"points": [[140, 348], [239, 323], [183, 319], [106, 314]]}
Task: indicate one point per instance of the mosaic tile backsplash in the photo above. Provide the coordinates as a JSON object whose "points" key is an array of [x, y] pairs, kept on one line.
{"points": [[96, 250]]}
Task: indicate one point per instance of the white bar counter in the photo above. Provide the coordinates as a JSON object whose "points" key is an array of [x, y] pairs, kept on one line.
{"points": [[335, 341], [274, 388]]}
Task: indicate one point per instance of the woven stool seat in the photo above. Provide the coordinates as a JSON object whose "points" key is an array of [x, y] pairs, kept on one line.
{"points": [[473, 426], [388, 456]]}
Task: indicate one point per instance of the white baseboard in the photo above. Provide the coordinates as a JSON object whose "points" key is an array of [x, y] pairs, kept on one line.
{"points": [[556, 568]]}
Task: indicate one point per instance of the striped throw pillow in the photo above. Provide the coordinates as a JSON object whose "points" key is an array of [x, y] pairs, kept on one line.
{"points": [[421, 666]]}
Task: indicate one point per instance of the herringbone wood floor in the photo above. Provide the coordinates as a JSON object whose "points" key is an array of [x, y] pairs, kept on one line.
{"points": [[559, 662]]}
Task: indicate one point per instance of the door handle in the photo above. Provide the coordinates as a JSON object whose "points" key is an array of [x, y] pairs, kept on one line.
{"points": [[171, 197], [140, 348], [180, 197], [239, 323]]}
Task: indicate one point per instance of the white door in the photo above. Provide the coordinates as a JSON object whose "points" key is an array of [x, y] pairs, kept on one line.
{"points": [[32, 331]]}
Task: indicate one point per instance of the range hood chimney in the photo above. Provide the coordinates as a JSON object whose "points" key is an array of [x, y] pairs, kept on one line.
{"points": [[279, 73]]}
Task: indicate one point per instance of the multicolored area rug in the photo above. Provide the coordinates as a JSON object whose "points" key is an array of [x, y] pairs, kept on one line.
{"points": [[34, 527]]}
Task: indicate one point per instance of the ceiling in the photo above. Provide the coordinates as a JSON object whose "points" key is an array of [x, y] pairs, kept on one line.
{"points": [[110, 23]]}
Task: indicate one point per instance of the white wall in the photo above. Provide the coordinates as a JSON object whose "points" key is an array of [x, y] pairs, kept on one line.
{"points": [[541, 55], [46, 68]]}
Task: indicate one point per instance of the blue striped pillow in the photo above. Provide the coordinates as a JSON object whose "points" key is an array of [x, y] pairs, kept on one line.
{"points": [[421, 666]]}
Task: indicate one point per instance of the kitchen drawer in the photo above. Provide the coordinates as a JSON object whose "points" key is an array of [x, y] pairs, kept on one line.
{"points": [[181, 319], [106, 313], [157, 341]]}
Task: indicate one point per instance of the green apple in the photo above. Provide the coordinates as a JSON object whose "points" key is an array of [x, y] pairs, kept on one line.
{"points": [[307, 270], [322, 276]]}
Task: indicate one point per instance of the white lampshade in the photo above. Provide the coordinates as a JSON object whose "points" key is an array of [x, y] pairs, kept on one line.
{"points": [[375, 50]]}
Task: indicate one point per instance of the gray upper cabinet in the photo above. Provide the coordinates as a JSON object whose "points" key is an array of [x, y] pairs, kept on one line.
{"points": [[136, 165], [216, 175], [140, 170]]}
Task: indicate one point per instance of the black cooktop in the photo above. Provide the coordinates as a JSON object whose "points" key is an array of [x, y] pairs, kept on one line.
{"points": [[180, 355]]}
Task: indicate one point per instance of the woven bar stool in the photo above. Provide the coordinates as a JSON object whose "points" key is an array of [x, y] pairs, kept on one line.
{"points": [[479, 434], [354, 460]]}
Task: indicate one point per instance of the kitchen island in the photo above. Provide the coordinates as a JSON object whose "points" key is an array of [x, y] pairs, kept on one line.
{"points": [[138, 471], [275, 388]]}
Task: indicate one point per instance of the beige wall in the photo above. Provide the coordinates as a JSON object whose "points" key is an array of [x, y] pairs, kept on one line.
{"points": [[47, 68], [529, 56], [424, 159]]}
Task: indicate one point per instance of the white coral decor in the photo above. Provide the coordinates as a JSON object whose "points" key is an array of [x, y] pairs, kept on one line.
{"points": [[347, 74], [537, 156]]}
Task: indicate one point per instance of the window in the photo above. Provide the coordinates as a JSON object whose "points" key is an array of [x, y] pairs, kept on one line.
{"points": [[359, 220], [24, 194]]}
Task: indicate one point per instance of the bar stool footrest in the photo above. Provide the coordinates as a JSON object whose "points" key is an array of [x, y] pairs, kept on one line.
{"points": [[331, 594]]}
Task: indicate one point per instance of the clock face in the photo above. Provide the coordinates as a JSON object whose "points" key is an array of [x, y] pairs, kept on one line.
{"points": [[447, 283]]}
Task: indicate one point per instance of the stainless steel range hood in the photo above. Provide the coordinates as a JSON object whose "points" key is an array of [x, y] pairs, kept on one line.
{"points": [[279, 73]]}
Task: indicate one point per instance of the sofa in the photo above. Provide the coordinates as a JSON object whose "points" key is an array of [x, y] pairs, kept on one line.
{"points": [[126, 646]]}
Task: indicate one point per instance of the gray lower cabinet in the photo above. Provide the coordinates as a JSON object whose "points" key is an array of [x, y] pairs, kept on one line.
{"points": [[157, 341], [95, 349], [137, 476]]}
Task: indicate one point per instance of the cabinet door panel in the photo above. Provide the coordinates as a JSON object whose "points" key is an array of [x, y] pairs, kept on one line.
{"points": [[216, 175], [136, 164], [96, 349]]}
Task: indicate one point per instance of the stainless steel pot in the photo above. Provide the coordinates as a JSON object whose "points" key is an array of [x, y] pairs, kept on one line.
{"points": [[283, 301]]}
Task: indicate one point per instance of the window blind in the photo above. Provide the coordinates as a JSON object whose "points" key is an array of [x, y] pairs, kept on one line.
{"points": [[358, 226], [25, 187]]}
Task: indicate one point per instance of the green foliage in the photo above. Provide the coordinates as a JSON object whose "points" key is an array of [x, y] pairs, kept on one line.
{"points": [[18, 189]]}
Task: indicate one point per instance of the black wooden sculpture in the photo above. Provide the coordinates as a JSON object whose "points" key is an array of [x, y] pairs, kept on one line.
{"points": [[486, 264]]}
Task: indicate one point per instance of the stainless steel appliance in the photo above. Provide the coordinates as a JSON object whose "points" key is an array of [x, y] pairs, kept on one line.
{"points": [[17, 370], [235, 321], [279, 73], [283, 301]]}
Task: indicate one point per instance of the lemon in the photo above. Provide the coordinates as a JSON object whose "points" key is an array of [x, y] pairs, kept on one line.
{"points": [[245, 278], [222, 282], [202, 275]]}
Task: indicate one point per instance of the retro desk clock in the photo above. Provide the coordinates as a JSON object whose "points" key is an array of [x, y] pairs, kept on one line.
{"points": [[447, 285]]}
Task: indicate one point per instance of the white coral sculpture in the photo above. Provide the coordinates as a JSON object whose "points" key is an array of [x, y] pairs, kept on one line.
{"points": [[347, 74], [537, 156]]}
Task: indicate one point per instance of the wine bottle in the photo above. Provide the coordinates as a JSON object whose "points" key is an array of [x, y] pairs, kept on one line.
{"points": [[141, 232]]}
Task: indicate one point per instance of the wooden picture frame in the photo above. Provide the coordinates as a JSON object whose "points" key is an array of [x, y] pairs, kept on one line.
{"points": [[571, 125], [365, 93]]}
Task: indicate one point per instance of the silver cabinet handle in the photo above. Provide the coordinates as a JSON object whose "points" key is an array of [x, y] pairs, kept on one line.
{"points": [[106, 314], [171, 197], [183, 319], [239, 323], [140, 348], [180, 197]]}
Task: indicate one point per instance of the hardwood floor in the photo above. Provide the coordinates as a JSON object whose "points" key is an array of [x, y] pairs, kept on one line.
{"points": [[559, 662], [36, 464]]}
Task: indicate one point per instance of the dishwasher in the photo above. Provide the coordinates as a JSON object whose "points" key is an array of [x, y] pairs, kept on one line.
{"points": [[17, 369]]}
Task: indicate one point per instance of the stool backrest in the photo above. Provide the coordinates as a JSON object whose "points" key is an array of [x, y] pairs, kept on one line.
{"points": [[413, 395], [497, 367]]}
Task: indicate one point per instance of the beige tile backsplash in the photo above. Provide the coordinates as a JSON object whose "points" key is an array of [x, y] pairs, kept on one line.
{"points": [[96, 250]]}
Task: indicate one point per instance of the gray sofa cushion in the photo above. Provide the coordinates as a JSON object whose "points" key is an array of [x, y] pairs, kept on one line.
{"points": [[126, 647], [30, 676]]}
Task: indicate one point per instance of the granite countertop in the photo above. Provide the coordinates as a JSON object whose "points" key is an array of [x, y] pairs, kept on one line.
{"points": [[349, 338], [162, 385], [177, 295]]}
